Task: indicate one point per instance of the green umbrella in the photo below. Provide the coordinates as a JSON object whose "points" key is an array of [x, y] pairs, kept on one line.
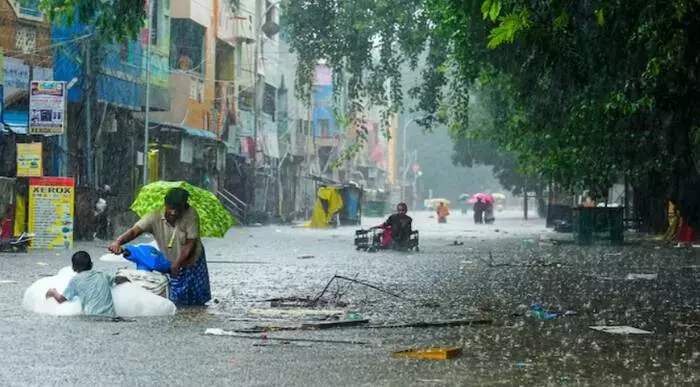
{"points": [[214, 218]]}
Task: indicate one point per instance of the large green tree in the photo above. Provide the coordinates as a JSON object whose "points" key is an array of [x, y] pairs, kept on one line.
{"points": [[594, 89], [112, 20]]}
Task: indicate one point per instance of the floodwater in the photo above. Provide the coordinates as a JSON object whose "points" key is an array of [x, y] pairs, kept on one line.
{"points": [[492, 271]]}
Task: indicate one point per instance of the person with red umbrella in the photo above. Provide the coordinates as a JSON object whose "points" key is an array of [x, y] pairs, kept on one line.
{"points": [[482, 202]]}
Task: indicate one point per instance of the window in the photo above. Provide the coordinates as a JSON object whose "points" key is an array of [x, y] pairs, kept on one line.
{"points": [[269, 100], [187, 46], [282, 109]]}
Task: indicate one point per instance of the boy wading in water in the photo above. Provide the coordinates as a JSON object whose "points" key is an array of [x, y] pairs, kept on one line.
{"points": [[94, 288]]}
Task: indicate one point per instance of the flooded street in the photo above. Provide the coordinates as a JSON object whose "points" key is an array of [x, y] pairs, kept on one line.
{"points": [[462, 271]]}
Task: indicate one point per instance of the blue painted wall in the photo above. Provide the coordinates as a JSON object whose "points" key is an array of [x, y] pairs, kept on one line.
{"points": [[323, 109], [116, 82]]}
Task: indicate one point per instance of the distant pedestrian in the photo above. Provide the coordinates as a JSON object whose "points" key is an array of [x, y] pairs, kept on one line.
{"points": [[442, 213], [488, 214], [479, 208]]}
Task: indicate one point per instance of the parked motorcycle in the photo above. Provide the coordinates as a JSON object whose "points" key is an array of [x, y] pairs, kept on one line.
{"points": [[19, 244]]}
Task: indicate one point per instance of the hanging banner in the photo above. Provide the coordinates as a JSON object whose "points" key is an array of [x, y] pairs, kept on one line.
{"points": [[51, 210], [47, 108], [29, 160]]}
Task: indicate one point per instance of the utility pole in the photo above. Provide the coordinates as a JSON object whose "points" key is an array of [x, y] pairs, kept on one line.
{"points": [[88, 113], [404, 153], [257, 83], [146, 118]]}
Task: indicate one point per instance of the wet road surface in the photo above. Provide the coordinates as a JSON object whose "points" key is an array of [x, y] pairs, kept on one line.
{"points": [[498, 272]]}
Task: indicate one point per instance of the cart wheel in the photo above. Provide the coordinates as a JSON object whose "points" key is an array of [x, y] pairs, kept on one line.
{"points": [[417, 249]]}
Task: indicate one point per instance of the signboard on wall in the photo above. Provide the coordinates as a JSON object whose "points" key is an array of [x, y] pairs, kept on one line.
{"points": [[51, 211], [47, 108], [29, 160]]}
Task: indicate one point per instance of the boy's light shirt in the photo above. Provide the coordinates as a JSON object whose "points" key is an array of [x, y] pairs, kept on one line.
{"points": [[94, 289]]}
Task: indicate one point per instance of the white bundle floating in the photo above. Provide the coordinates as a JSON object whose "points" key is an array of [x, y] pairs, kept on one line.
{"points": [[130, 299]]}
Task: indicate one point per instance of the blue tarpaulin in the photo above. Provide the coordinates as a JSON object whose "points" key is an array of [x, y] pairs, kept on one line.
{"points": [[189, 131], [16, 120]]}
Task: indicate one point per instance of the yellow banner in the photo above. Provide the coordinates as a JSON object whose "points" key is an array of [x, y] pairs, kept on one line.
{"points": [[29, 160], [51, 211]]}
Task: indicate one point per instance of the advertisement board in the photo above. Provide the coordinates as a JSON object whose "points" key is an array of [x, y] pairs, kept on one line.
{"points": [[51, 212], [29, 160], [47, 108]]}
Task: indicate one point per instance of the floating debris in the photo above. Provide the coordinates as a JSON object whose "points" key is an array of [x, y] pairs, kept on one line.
{"points": [[296, 313], [621, 330], [632, 277], [221, 332], [438, 353], [436, 324], [334, 324], [304, 302]]}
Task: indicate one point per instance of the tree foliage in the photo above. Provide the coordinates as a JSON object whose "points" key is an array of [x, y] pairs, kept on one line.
{"points": [[592, 89], [112, 20]]}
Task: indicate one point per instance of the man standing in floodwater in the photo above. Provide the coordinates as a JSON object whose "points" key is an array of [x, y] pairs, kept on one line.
{"points": [[175, 227]]}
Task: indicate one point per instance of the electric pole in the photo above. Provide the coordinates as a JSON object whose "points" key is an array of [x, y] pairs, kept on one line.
{"points": [[146, 119]]}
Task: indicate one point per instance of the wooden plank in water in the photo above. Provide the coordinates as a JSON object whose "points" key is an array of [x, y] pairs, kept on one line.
{"points": [[435, 324], [334, 324]]}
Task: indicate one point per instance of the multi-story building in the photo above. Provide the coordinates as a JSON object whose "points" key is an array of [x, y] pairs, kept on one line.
{"points": [[333, 132], [25, 42], [108, 86], [257, 77], [297, 149], [193, 132]]}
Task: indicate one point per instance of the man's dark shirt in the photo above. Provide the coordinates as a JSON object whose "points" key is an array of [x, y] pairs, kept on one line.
{"points": [[400, 227]]}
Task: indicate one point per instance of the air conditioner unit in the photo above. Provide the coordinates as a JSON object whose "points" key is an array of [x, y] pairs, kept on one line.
{"points": [[244, 30]]}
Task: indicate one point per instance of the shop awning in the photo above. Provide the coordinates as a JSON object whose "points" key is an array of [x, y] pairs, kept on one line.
{"points": [[193, 132], [16, 121]]}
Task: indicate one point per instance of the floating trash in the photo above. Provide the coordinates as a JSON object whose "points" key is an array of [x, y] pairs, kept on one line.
{"points": [[437, 353], [621, 330], [632, 277]]}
